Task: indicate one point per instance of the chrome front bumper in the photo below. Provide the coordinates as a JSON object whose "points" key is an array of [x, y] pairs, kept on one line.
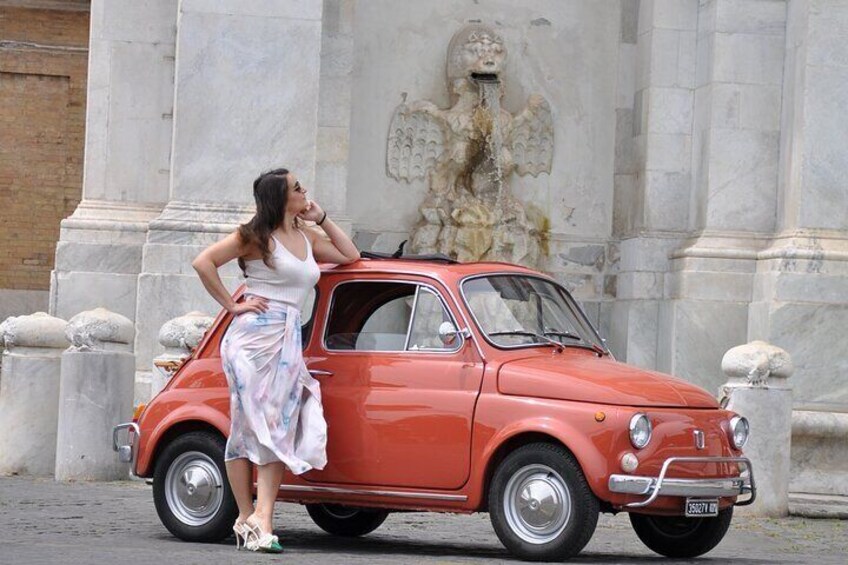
{"points": [[653, 487], [127, 452]]}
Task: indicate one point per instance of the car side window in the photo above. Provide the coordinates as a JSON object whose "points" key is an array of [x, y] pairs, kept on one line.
{"points": [[378, 316], [370, 316], [428, 317]]}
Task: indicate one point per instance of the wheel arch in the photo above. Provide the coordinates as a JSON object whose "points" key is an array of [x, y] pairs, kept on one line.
{"points": [[166, 432], [592, 462]]}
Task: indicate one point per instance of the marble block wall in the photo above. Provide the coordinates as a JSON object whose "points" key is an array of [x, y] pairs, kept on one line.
{"points": [[696, 198]]}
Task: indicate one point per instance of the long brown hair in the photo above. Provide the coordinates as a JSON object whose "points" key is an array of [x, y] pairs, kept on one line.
{"points": [[271, 193]]}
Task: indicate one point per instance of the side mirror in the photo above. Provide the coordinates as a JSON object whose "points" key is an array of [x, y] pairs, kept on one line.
{"points": [[449, 334]]}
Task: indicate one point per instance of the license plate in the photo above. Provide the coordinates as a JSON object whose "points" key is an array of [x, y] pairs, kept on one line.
{"points": [[698, 507]]}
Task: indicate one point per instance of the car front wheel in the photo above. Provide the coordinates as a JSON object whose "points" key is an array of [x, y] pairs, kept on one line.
{"points": [[346, 521], [190, 488], [540, 504], [676, 536]]}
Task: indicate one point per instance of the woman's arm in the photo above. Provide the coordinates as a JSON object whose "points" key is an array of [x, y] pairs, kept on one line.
{"points": [[207, 263], [339, 249]]}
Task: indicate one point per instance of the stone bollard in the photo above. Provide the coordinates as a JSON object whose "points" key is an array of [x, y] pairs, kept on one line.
{"points": [[757, 389], [29, 393], [179, 336], [96, 393]]}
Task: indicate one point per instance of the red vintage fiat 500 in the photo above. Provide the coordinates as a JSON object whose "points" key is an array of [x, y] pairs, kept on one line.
{"points": [[462, 387]]}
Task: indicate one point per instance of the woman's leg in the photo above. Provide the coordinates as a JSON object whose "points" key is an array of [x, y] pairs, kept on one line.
{"points": [[240, 474], [268, 482]]}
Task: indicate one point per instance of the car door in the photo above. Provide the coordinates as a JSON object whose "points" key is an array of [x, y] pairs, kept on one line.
{"points": [[398, 399]]}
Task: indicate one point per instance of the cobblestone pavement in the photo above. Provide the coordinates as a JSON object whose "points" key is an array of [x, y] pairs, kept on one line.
{"points": [[45, 522]]}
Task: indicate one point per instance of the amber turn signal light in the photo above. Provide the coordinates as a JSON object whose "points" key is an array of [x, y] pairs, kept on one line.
{"points": [[600, 416], [138, 411]]}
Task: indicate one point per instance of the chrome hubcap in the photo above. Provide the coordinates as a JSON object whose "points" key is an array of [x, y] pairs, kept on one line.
{"points": [[194, 488], [537, 504]]}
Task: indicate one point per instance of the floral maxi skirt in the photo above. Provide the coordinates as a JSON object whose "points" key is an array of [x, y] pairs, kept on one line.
{"points": [[275, 404]]}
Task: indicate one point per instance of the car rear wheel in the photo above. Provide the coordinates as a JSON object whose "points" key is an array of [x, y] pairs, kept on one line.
{"points": [[540, 504], [346, 521], [677, 536], [190, 488]]}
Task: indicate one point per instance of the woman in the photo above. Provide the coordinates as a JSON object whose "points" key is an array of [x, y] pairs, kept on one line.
{"points": [[275, 405]]}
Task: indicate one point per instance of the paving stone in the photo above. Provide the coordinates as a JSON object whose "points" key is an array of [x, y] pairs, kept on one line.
{"points": [[44, 522]]}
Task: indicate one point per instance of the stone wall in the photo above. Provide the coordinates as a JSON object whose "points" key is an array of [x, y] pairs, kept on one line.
{"points": [[43, 63], [695, 199]]}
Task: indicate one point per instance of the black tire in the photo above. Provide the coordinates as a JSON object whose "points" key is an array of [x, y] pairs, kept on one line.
{"points": [[551, 473], [346, 521], [677, 536], [199, 513]]}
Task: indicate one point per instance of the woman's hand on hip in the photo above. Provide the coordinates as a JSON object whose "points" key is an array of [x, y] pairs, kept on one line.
{"points": [[255, 304]]}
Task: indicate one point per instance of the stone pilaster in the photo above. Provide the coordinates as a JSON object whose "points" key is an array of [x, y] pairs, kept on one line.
{"points": [[127, 154], [653, 168], [734, 166], [802, 277], [335, 80], [246, 95]]}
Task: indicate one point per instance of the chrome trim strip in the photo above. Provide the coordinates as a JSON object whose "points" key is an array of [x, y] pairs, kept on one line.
{"points": [[713, 486], [412, 316], [417, 284], [369, 492], [133, 442], [677, 487]]}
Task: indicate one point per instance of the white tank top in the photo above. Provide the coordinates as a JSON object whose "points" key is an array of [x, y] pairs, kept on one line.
{"points": [[290, 280]]}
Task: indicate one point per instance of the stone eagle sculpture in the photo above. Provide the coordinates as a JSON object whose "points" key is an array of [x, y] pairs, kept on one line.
{"points": [[467, 152]]}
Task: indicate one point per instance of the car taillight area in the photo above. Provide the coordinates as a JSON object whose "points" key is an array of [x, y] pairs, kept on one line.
{"points": [[676, 433]]}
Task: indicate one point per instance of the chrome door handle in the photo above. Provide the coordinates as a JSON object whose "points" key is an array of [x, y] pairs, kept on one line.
{"points": [[320, 373]]}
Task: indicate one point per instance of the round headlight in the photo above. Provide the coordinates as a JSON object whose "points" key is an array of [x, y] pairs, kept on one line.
{"points": [[640, 430], [739, 429]]}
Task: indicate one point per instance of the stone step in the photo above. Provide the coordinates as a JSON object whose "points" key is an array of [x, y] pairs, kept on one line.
{"points": [[810, 505]]}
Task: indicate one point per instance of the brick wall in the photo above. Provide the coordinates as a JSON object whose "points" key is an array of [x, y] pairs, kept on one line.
{"points": [[43, 65]]}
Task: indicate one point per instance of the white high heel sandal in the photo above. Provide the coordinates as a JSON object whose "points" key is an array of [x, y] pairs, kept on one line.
{"points": [[241, 530], [257, 540]]}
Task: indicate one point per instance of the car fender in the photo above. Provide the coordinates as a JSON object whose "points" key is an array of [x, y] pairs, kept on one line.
{"points": [[587, 449], [200, 413]]}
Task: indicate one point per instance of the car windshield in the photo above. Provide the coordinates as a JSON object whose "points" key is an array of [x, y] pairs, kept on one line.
{"points": [[518, 311]]}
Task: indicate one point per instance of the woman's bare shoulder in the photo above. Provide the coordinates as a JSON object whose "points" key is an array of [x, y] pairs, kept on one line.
{"points": [[311, 233]]}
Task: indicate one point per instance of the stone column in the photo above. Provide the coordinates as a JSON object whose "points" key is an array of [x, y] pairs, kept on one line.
{"points": [[96, 394], [801, 284], [29, 393], [127, 156], [653, 168], [735, 149], [179, 337], [334, 94], [757, 389], [245, 100]]}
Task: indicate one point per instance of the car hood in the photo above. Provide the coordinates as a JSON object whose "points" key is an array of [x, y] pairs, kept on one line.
{"points": [[586, 378]]}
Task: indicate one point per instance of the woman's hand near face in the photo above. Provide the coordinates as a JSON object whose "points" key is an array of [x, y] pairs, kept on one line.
{"points": [[313, 212]]}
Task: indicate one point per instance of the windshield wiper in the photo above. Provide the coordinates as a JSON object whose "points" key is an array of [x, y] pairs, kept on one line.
{"points": [[584, 343], [544, 338], [558, 344], [569, 335]]}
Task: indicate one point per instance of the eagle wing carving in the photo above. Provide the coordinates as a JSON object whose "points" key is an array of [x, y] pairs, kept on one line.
{"points": [[416, 141], [531, 139]]}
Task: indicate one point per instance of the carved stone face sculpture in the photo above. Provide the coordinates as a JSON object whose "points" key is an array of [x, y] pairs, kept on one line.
{"points": [[475, 50]]}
